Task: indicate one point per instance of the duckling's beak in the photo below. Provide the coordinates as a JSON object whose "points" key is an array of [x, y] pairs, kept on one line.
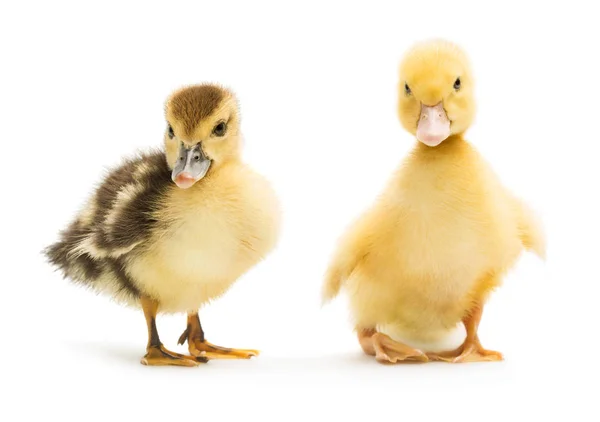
{"points": [[434, 126], [192, 165]]}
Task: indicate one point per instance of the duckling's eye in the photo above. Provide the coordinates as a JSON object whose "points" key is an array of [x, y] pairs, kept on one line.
{"points": [[220, 129], [457, 84], [171, 133], [407, 89]]}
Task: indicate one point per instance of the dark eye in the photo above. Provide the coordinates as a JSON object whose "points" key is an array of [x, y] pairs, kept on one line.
{"points": [[220, 129], [457, 84], [171, 133], [407, 89]]}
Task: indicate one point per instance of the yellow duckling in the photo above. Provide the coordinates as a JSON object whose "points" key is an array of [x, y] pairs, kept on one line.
{"points": [[169, 231], [440, 237]]}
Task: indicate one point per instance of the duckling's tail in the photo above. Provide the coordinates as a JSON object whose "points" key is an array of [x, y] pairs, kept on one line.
{"points": [[62, 255], [531, 231], [57, 255]]}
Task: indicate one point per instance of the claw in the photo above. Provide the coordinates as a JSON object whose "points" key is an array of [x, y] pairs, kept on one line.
{"points": [[183, 338]]}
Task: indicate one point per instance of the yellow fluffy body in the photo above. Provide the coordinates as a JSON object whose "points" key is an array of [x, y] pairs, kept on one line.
{"points": [[443, 232], [225, 228]]}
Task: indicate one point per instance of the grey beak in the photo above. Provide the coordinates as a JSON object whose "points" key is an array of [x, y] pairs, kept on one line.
{"points": [[192, 165]]}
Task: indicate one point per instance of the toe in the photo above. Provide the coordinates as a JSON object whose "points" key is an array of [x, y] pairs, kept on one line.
{"points": [[384, 358], [476, 354], [159, 356], [168, 362], [245, 353], [421, 357], [468, 351], [492, 355], [204, 348]]}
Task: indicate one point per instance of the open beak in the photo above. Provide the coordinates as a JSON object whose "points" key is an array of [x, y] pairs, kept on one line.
{"points": [[434, 126], [192, 165]]}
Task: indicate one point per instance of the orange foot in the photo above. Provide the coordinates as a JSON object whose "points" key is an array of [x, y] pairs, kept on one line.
{"points": [[470, 351], [198, 346], [387, 350], [159, 356], [204, 348]]}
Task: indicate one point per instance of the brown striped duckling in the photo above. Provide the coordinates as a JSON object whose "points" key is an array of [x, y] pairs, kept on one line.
{"points": [[170, 230]]}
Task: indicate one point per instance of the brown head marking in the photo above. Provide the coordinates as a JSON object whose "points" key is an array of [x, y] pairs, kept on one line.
{"points": [[195, 103]]}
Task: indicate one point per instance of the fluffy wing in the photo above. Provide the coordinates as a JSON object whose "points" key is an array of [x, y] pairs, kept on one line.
{"points": [[119, 216]]}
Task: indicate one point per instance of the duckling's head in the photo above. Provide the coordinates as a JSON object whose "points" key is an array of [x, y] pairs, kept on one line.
{"points": [[202, 131], [435, 92]]}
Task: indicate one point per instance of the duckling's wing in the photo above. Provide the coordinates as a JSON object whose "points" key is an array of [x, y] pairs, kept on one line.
{"points": [[118, 218], [126, 205], [531, 231], [352, 248], [122, 213]]}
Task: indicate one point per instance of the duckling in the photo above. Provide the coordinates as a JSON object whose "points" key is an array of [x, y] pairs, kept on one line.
{"points": [[438, 240], [172, 229]]}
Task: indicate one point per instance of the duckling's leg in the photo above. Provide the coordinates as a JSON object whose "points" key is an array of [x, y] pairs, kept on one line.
{"points": [[387, 350], [156, 354], [471, 350], [198, 346]]}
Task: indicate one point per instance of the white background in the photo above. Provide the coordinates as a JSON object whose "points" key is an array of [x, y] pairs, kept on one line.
{"points": [[83, 85]]}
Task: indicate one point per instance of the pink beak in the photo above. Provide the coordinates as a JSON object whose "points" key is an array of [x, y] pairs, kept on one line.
{"points": [[434, 126], [185, 180]]}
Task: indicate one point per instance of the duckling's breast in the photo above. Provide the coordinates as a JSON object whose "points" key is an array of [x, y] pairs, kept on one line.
{"points": [[445, 238], [211, 237]]}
